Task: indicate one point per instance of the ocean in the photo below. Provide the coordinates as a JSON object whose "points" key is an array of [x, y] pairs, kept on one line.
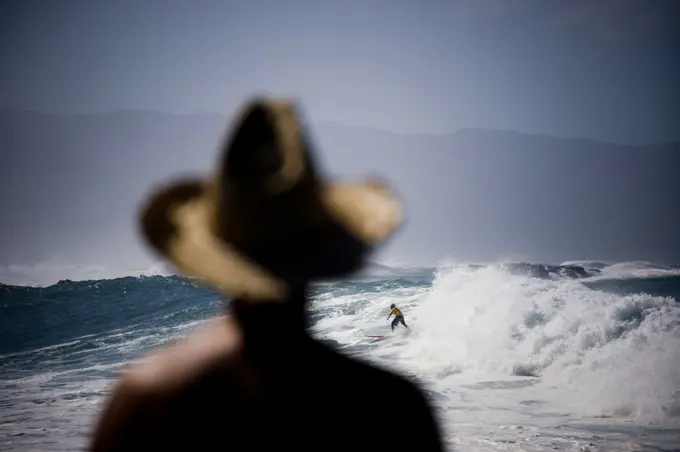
{"points": [[581, 356]]}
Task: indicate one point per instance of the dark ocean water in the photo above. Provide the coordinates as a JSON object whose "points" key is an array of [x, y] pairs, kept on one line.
{"points": [[504, 352]]}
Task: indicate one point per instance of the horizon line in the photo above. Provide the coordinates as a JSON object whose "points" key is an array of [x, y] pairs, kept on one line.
{"points": [[334, 122]]}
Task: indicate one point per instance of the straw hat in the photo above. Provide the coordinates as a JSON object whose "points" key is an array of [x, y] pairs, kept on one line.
{"points": [[267, 219]]}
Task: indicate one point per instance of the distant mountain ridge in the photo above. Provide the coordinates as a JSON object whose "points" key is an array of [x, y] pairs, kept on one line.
{"points": [[73, 184], [140, 114]]}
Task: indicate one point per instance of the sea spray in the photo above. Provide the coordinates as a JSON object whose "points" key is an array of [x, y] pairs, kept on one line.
{"points": [[595, 353]]}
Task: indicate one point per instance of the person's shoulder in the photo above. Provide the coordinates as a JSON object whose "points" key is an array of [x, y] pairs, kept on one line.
{"points": [[150, 382], [418, 412], [369, 374], [167, 369], [392, 391]]}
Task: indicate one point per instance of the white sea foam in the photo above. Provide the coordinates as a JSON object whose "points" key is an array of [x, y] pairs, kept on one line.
{"points": [[500, 350], [638, 269]]}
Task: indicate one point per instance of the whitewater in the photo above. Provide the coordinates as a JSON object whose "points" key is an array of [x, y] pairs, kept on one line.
{"points": [[582, 356]]}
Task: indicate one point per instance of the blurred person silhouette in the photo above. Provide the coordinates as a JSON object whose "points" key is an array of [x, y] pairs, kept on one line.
{"points": [[260, 231]]}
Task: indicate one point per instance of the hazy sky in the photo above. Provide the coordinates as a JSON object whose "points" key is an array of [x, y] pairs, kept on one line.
{"points": [[605, 70], [600, 69]]}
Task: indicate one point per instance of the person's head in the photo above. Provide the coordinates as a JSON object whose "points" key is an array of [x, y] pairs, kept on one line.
{"points": [[392, 306], [268, 223]]}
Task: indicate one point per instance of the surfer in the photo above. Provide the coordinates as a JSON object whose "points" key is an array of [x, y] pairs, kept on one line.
{"points": [[398, 317], [260, 232]]}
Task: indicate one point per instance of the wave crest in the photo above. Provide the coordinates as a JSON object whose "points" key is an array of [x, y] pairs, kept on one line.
{"points": [[599, 353]]}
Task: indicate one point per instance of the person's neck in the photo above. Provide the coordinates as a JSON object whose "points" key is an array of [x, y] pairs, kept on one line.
{"points": [[271, 326]]}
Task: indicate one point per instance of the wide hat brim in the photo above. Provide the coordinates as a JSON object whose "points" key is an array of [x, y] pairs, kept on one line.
{"points": [[178, 221]]}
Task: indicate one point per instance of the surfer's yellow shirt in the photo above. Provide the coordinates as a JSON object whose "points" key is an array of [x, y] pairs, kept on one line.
{"points": [[397, 312]]}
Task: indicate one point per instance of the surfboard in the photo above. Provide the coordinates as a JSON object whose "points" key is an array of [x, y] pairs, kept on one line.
{"points": [[376, 338]]}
